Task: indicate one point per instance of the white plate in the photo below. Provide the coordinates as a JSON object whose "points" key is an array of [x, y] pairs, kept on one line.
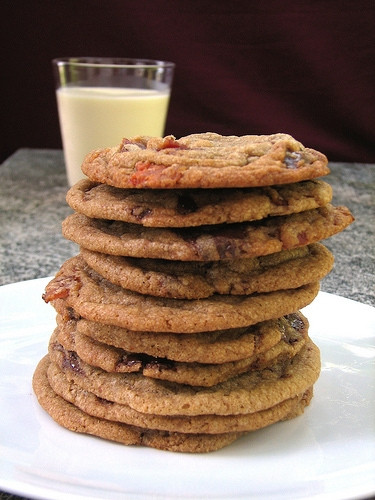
{"points": [[329, 452]]}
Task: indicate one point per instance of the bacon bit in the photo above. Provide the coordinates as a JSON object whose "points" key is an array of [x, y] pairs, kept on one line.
{"points": [[150, 175], [145, 172], [55, 294], [60, 288], [302, 238], [170, 142], [143, 166]]}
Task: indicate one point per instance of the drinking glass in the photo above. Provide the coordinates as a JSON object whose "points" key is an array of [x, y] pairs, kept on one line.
{"points": [[102, 100]]}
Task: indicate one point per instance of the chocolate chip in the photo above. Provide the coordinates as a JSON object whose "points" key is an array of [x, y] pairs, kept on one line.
{"points": [[296, 322], [225, 247], [127, 145], [291, 160], [71, 361], [186, 205], [161, 365], [146, 361], [141, 212]]}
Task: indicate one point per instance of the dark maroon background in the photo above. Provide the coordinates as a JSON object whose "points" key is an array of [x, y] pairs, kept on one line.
{"points": [[302, 67]]}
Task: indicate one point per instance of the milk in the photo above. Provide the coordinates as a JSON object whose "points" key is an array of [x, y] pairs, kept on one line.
{"points": [[100, 117]]}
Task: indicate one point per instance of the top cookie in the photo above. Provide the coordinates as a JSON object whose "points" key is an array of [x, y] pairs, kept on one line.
{"points": [[205, 160]]}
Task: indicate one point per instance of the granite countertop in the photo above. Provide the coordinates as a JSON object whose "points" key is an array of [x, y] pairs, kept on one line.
{"points": [[32, 206]]}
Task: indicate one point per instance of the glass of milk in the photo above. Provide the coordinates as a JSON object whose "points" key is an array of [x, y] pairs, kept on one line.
{"points": [[102, 100]]}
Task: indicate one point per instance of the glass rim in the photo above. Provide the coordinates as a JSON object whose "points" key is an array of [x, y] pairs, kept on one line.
{"points": [[112, 62]]}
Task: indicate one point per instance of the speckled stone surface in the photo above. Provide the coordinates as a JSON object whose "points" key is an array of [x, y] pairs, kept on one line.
{"points": [[32, 206], [354, 249]]}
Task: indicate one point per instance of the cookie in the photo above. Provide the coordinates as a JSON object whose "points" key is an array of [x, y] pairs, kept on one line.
{"points": [[214, 347], [250, 392], [205, 160], [197, 280], [71, 417], [96, 299], [210, 424], [219, 346], [196, 207], [112, 359], [207, 243]]}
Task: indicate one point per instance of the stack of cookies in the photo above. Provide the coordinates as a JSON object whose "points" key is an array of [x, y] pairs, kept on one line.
{"points": [[179, 323]]}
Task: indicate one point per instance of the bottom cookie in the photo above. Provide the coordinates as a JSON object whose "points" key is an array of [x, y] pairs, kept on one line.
{"points": [[71, 417], [74, 419]]}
